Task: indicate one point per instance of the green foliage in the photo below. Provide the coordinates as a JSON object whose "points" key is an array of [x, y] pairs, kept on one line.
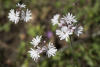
{"points": [[22, 49], [25, 64], [5, 27], [58, 4], [53, 28], [35, 30], [8, 4]]}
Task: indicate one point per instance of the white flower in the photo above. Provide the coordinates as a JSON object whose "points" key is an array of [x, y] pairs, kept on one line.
{"points": [[44, 48], [63, 33], [21, 5], [36, 41], [22, 15], [55, 21], [69, 18], [71, 29], [51, 50], [34, 54], [67, 25], [79, 30], [26, 16], [62, 22], [14, 16]]}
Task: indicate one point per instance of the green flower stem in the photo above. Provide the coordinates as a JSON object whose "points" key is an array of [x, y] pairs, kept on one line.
{"points": [[70, 37]]}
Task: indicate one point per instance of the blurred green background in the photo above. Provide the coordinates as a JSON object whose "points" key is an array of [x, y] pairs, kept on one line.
{"points": [[15, 38]]}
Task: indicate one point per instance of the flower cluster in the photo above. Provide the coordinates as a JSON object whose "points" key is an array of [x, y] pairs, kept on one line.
{"points": [[68, 25], [37, 50], [19, 14]]}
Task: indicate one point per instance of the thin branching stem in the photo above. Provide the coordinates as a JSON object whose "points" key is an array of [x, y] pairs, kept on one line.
{"points": [[71, 43]]}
